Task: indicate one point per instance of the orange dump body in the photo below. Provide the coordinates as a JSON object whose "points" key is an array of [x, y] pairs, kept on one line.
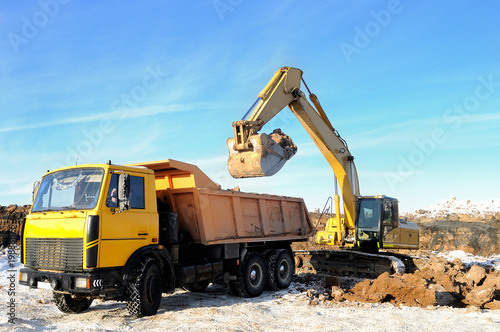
{"points": [[215, 216]]}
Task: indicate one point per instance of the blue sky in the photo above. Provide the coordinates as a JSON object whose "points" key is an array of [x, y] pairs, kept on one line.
{"points": [[413, 87]]}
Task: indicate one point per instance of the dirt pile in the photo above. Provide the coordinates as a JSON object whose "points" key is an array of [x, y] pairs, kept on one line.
{"points": [[478, 238], [10, 222], [437, 283], [285, 142]]}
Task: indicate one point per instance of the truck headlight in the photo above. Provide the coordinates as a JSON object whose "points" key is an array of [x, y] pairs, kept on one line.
{"points": [[23, 277], [82, 283]]}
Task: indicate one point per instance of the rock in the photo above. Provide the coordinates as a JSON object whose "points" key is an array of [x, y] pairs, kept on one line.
{"points": [[283, 140], [475, 275], [480, 295], [447, 282], [363, 287], [337, 294], [492, 280], [473, 308], [493, 305], [438, 265]]}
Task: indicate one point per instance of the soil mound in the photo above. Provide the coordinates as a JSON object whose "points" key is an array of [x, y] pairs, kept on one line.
{"points": [[439, 282], [478, 238], [10, 222]]}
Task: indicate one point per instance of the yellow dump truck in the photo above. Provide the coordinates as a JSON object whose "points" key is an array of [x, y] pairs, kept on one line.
{"points": [[130, 233]]}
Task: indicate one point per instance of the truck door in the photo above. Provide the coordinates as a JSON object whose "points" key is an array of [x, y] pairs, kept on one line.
{"points": [[125, 232]]}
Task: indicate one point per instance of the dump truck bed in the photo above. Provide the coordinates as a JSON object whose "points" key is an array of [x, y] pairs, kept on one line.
{"points": [[215, 216], [224, 216]]}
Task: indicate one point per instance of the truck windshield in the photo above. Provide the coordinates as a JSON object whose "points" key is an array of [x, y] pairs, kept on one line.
{"points": [[75, 189]]}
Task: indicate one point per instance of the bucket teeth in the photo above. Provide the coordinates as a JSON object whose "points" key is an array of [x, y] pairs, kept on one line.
{"points": [[268, 155]]}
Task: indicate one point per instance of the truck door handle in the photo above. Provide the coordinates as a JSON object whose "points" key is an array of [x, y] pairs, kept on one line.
{"points": [[142, 233]]}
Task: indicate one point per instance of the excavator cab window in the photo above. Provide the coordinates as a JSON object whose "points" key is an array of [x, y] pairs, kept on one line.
{"points": [[368, 222], [390, 221]]}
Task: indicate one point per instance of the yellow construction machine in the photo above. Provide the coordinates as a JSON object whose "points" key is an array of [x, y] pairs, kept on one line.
{"points": [[370, 223]]}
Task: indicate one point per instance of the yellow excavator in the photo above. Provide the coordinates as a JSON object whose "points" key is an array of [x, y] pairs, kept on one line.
{"points": [[370, 223]]}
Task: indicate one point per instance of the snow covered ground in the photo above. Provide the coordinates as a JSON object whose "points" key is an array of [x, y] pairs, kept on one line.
{"points": [[215, 310], [469, 259], [454, 206]]}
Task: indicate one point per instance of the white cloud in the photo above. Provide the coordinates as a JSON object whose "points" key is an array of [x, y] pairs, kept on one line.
{"points": [[483, 117], [130, 113]]}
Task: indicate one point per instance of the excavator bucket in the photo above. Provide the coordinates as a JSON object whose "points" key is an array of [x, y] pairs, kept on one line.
{"points": [[267, 155]]}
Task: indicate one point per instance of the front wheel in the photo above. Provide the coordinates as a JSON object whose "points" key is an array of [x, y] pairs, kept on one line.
{"points": [[70, 305], [144, 289]]}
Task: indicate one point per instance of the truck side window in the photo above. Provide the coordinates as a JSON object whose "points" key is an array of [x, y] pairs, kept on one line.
{"points": [[112, 197], [136, 192]]}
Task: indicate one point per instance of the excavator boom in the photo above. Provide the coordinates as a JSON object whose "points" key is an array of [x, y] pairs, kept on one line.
{"points": [[253, 154]]}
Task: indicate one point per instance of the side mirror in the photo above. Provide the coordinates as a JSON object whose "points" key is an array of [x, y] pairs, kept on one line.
{"points": [[36, 185], [124, 192]]}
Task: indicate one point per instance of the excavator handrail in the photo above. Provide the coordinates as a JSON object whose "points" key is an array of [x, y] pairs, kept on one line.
{"points": [[329, 199]]}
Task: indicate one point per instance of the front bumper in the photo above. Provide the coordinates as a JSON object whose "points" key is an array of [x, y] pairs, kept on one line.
{"points": [[107, 284]]}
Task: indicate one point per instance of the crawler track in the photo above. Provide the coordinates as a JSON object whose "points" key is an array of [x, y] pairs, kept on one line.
{"points": [[352, 263]]}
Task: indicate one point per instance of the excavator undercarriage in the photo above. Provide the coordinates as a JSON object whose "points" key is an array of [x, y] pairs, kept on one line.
{"points": [[355, 263]]}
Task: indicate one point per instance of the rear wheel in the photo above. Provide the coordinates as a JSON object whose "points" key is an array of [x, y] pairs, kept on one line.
{"points": [[280, 269], [253, 277], [144, 289], [69, 305]]}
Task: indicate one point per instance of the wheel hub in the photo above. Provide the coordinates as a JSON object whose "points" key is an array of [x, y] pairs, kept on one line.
{"points": [[283, 270], [153, 289], [253, 275]]}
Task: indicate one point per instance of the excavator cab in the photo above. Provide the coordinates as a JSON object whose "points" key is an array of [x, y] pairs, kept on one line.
{"points": [[378, 225], [376, 216]]}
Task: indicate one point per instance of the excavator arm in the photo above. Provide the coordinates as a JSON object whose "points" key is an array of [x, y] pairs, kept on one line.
{"points": [[252, 154]]}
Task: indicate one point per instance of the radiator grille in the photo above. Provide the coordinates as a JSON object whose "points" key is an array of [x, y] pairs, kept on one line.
{"points": [[55, 254]]}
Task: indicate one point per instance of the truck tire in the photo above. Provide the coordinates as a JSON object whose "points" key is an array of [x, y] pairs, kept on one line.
{"points": [[69, 305], [144, 289], [280, 269], [252, 280]]}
